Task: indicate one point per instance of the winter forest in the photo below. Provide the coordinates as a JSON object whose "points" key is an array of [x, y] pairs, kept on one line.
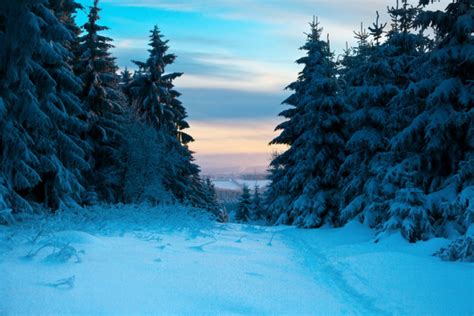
{"points": [[368, 209]]}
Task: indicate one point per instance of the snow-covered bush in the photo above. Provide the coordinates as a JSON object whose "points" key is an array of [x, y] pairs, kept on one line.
{"points": [[462, 249], [408, 213], [145, 156]]}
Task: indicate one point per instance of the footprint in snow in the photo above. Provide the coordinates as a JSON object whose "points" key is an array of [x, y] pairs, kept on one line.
{"points": [[240, 239], [254, 274], [162, 247], [63, 284], [200, 248]]}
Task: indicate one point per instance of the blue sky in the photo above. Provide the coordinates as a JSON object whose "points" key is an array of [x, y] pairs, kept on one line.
{"points": [[237, 57]]}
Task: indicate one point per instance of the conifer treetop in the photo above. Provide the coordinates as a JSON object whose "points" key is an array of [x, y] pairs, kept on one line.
{"points": [[377, 29]]}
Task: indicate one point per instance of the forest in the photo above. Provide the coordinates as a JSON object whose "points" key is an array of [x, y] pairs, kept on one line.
{"points": [[75, 132], [383, 133], [380, 143]]}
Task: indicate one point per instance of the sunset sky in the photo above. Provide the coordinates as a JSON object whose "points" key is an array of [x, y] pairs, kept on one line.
{"points": [[237, 57]]}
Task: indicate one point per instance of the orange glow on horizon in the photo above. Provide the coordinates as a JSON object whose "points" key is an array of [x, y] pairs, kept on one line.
{"points": [[233, 137]]}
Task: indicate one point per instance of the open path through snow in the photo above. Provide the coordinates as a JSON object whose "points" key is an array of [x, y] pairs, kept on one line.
{"points": [[198, 267]]}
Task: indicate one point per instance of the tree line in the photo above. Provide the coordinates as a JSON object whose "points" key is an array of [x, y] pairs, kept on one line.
{"points": [[73, 131], [384, 133]]}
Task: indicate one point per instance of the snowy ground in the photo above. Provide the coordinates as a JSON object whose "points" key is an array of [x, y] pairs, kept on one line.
{"points": [[164, 261]]}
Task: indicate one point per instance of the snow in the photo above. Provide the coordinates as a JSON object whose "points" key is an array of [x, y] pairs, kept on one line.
{"points": [[170, 260], [226, 185], [237, 184], [252, 183]]}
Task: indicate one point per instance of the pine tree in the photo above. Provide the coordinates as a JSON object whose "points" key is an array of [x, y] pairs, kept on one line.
{"points": [[437, 141], [4, 192], [304, 181], [43, 154], [104, 101], [210, 197], [257, 207], [403, 51], [244, 209], [450, 131], [155, 102], [368, 89], [125, 77]]}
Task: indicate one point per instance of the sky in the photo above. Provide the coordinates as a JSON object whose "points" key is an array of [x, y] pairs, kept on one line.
{"points": [[237, 57]]}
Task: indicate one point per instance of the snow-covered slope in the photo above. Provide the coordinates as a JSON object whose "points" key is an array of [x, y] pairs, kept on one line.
{"points": [[126, 260]]}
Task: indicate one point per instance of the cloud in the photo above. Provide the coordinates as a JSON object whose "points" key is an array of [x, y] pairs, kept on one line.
{"points": [[217, 104], [233, 136], [285, 17], [265, 10], [237, 57], [243, 74], [273, 80], [214, 70], [157, 4], [226, 146]]}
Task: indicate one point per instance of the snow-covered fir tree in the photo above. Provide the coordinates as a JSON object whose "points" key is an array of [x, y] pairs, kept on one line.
{"points": [[401, 200], [257, 205], [155, 102], [368, 89], [244, 209], [210, 196], [304, 184], [105, 105], [126, 77], [436, 141], [43, 155], [386, 71], [450, 135], [65, 11]]}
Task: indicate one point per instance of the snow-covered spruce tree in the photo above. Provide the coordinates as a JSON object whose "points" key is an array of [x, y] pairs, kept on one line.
{"points": [[125, 77], [65, 11], [304, 179], [401, 200], [4, 207], [210, 196], [437, 141], [449, 134], [392, 72], [278, 199], [104, 102], [368, 89], [155, 102], [43, 155], [244, 209], [257, 207], [5, 210]]}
